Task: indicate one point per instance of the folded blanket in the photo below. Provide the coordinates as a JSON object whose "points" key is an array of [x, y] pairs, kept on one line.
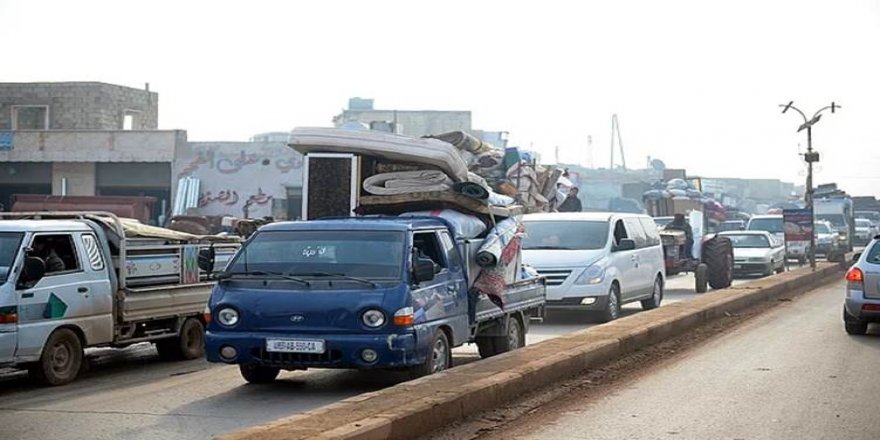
{"points": [[405, 182]]}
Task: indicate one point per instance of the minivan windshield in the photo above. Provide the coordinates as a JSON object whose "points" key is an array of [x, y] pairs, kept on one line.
{"points": [[748, 240], [9, 244], [567, 235], [373, 255], [838, 220], [772, 225]]}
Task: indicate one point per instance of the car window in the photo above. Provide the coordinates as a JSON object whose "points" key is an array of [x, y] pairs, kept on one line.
{"points": [[873, 256], [750, 241], [651, 231], [636, 232], [428, 245], [451, 251], [57, 251], [619, 232], [772, 225], [565, 235]]}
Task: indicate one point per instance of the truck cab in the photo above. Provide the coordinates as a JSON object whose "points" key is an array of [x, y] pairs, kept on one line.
{"points": [[357, 293]]}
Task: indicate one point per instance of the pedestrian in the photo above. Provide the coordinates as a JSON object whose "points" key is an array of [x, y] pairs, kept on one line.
{"points": [[572, 203]]}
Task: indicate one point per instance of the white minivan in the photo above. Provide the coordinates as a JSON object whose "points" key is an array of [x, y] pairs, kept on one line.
{"points": [[596, 262]]}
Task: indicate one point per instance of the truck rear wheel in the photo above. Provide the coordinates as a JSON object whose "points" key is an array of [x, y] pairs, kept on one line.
{"points": [[718, 255], [61, 360], [489, 346], [189, 344], [258, 373]]}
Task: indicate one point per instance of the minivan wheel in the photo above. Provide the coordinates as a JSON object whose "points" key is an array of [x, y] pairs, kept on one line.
{"points": [[656, 297], [612, 305]]}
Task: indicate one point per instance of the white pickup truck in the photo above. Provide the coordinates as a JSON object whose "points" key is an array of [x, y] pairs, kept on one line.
{"points": [[74, 280]]}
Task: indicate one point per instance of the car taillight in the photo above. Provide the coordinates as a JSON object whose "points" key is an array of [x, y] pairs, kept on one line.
{"points": [[855, 275]]}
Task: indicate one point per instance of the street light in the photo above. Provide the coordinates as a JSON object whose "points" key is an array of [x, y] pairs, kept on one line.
{"points": [[810, 157]]}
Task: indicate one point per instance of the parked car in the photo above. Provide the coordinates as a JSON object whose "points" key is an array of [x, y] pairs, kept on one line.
{"points": [[756, 252], [596, 262], [862, 304], [873, 216], [774, 225], [864, 231], [828, 241], [732, 225]]}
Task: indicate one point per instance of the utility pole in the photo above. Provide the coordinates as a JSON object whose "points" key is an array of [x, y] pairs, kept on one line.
{"points": [[615, 132], [810, 157]]}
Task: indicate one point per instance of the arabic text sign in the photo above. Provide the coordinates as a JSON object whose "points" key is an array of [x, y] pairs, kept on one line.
{"points": [[798, 224]]}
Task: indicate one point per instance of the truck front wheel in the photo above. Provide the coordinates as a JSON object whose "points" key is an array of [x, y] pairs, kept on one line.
{"points": [[258, 373], [189, 344], [61, 359], [439, 357]]}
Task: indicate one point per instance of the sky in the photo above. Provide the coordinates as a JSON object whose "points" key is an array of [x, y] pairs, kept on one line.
{"points": [[694, 83]]}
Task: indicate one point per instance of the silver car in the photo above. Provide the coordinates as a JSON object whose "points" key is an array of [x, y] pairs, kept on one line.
{"points": [[862, 304]]}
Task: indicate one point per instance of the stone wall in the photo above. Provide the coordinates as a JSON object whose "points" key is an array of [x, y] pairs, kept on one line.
{"points": [[82, 105], [93, 146]]}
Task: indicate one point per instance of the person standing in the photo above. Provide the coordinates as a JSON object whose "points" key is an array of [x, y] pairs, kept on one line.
{"points": [[572, 203]]}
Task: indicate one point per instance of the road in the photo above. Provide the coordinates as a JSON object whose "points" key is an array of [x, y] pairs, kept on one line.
{"points": [[791, 373], [130, 394]]}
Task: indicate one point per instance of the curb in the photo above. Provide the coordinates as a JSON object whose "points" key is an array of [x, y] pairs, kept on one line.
{"points": [[423, 405]]}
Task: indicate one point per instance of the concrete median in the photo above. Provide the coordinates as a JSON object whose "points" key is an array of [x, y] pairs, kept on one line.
{"points": [[423, 405]]}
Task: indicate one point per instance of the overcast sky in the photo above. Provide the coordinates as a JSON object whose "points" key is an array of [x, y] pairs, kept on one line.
{"points": [[696, 84]]}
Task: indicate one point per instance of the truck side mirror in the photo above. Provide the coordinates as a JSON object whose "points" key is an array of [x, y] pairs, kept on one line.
{"points": [[626, 244], [206, 259], [32, 272], [423, 269]]}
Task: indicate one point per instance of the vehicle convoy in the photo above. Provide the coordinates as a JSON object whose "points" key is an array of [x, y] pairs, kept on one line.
{"points": [[862, 304], [596, 262], [76, 280], [839, 212], [707, 255], [756, 252], [360, 293]]}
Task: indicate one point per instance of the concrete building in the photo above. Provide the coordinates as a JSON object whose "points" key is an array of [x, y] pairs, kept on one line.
{"points": [[77, 106], [415, 123]]}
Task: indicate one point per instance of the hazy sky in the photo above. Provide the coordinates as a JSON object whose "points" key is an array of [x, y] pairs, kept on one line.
{"points": [[696, 84]]}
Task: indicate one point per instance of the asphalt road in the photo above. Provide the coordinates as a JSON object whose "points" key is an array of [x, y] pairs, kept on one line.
{"points": [[791, 373], [130, 394]]}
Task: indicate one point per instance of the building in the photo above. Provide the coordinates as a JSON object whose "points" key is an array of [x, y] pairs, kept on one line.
{"points": [[89, 138], [415, 123]]}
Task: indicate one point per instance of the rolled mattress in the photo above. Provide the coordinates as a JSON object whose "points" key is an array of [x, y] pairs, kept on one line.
{"points": [[381, 145]]}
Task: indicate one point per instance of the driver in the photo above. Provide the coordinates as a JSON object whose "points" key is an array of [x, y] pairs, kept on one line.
{"points": [[47, 253], [680, 224]]}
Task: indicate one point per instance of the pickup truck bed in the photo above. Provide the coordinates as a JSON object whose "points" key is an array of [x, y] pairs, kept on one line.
{"points": [[520, 296]]}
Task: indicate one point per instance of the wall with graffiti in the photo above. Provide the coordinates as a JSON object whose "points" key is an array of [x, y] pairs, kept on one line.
{"points": [[240, 179]]}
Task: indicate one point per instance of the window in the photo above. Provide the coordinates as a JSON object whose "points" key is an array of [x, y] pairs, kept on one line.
{"points": [[651, 231], [57, 251], [565, 235], [619, 232], [635, 230], [91, 245], [130, 119], [427, 245], [30, 117], [451, 251]]}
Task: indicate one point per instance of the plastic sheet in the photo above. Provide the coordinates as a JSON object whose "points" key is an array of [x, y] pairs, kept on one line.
{"points": [[466, 226]]}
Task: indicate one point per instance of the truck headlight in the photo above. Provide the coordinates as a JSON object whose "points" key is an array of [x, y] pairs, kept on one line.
{"points": [[373, 318], [228, 317], [594, 274]]}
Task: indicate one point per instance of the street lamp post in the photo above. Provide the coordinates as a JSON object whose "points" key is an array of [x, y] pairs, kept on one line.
{"points": [[810, 157]]}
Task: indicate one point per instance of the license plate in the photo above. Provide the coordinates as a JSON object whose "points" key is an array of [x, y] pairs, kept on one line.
{"points": [[295, 345]]}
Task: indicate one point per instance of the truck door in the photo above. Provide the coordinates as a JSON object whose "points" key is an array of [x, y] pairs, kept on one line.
{"points": [[99, 289], [438, 302], [62, 296]]}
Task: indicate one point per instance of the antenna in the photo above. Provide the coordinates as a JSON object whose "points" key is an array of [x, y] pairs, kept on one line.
{"points": [[615, 130]]}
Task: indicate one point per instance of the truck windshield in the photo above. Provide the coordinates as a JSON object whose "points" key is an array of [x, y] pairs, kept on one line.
{"points": [[837, 220], [771, 225], [569, 235], [9, 244], [376, 255]]}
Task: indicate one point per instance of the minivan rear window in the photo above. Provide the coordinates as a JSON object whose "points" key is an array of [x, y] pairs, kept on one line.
{"points": [[771, 225], [565, 235]]}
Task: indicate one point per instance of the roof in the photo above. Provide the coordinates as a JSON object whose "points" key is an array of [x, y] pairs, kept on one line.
{"points": [[575, 216], [358, 223], [42, 225]]}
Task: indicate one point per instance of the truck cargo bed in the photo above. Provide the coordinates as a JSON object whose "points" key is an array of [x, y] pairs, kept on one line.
{"points": [[522, 295]]}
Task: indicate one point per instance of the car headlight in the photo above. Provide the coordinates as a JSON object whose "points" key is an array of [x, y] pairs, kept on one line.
{"points": [[228, 317], [594, 274], [373, 318]]}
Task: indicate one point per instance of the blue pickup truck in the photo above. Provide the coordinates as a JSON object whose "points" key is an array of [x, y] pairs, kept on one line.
{"points": [[359, 293]]}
